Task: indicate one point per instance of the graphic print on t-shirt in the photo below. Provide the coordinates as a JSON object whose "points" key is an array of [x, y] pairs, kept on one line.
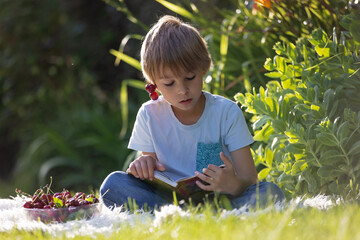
{"points": [[208, 154]]}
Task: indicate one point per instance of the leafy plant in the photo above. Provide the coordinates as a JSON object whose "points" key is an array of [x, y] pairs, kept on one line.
{"points": [[78, 150], [308, 122], [50, 83]]}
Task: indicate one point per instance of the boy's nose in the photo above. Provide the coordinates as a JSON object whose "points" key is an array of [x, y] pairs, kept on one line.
{"points": [[183, 89]]}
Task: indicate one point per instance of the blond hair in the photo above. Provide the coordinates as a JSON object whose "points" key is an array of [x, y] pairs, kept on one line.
{"points": [[174, 45]]}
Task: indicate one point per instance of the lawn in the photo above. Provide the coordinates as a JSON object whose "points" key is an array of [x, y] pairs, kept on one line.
{"points": [[310, 219]]}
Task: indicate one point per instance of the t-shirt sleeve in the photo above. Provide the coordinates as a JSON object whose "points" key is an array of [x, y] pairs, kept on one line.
{"points": [[237, 133], [141, 139]]}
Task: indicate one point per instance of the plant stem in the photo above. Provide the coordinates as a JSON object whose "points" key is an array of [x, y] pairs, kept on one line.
{"points": [[314, 155], [346, 157]]}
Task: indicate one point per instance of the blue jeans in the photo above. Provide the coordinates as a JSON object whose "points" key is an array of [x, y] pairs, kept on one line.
{"points": [[118, 187]]}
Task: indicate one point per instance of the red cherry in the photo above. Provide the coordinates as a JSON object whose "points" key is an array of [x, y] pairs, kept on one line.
{"points": [[66, 194], [28, 205], [154, 95], [80, 195], [90, 196], [47, 207], [58, 196], [36, 199], [84, 202], [39, 205], [46, 198], [72, 202], [150, 88]]}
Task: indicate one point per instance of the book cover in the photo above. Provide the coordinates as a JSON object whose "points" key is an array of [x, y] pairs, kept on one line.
{"points": [[185, 187]]}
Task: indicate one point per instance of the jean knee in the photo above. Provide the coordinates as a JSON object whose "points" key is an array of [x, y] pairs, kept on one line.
{"points": [[110, 182], [275, 191]]}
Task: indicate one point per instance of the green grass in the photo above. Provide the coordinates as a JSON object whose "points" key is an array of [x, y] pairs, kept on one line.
{"points": [[338, 222]]}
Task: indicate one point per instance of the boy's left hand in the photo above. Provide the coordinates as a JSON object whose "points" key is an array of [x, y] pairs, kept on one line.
{"points": [[220, 178]]}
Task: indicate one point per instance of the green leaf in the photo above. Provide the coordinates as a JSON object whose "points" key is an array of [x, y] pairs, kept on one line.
{"points": [[347, 20], [280, 64], [331, 157], [240, 98], [224, 43], [124, 41], [323, 52], [269, 65], [272, 106], [264, 133], [274, 74], [124, 101], [291, 51], [328, 172], [318, 37], [129, 60], [278, 125], [284, 106], [295, 148], [355, 30], [298, 166], [260, 107], [263, 173], [177, 9], [279, 48], [327, 139], [58, 202], [261, 122], [310, 179], [283, 178], [262, 94], [303, 108], [343, 130], [269, 156], [54, 163], [355, 148], [295, 70]]}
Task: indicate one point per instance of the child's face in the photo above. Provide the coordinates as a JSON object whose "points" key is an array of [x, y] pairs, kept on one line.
{"points": [[182, 92]]}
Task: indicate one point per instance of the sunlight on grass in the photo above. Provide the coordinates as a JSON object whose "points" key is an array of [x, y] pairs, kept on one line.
{"points": [[338, 222]]}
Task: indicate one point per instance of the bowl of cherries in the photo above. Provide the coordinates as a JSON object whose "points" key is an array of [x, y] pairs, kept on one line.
{"points": [[60, 206]]}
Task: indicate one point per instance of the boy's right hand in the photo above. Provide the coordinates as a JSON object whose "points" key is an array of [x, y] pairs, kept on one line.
{"points": [[143, 167]]}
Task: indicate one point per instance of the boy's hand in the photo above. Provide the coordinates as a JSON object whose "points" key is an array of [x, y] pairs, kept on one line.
{"points": [[143, 167], [220, 178]]}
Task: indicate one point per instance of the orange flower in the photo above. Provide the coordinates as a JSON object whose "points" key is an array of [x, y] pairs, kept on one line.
{"points": [[265, 3]]}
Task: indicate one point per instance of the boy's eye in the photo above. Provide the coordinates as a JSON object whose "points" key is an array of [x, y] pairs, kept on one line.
{"points": [[169, 84], [191, 78]]}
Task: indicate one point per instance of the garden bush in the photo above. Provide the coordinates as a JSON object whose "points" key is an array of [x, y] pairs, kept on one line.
{"points": [[308, 121]]}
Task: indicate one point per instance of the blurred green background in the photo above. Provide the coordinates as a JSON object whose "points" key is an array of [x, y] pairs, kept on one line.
{"points": [[59, 113], [68, 103]]}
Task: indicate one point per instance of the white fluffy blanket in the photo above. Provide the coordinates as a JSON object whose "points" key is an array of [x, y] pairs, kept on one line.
{"points": [[12, 216]]}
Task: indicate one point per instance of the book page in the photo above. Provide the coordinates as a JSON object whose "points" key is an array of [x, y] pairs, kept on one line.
{"points": [[172, 174]]}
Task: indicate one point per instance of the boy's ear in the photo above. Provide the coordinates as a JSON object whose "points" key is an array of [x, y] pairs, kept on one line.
{"points": [[204, 73]]}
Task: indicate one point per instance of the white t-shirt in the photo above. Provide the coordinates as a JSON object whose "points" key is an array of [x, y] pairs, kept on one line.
{"points": [[187, 148]]}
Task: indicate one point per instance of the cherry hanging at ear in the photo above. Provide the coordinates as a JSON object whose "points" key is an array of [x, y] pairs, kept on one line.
{"points": [[154, 95], [150, 88]]}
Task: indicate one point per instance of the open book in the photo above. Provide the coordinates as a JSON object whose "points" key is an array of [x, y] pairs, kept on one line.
{"points": [[172, 180]]}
